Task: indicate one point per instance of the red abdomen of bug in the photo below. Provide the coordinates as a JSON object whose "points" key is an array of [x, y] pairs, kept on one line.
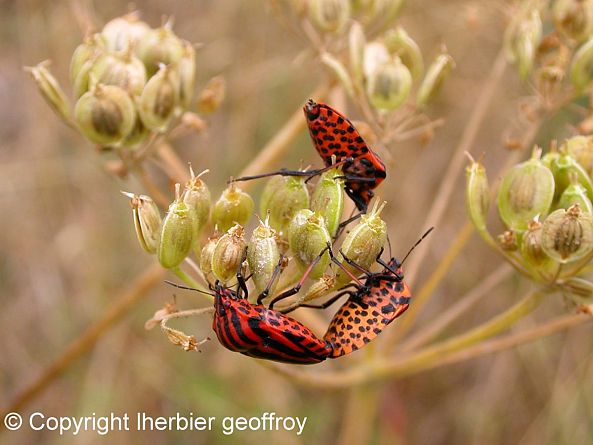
{"points": [[334, 135], [256, 331]]}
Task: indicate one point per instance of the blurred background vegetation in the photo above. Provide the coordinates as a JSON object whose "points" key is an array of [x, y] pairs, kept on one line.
{"points": [[68, 248]]}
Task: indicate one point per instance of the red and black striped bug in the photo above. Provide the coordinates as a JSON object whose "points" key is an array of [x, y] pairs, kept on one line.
{"points": [[333, 134]]}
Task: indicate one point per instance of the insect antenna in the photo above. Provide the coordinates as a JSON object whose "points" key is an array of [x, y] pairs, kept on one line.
{"points": [[416, 244], [181, 286]]}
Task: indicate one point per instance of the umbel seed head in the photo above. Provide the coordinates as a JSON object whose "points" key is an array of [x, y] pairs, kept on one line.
{"points": [[567, 235]]}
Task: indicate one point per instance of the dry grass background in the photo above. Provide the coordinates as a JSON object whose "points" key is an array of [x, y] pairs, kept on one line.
{"points": [[67, 247]]}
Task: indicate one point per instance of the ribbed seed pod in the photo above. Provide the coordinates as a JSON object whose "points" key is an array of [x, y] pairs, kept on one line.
{"points": [[573, 18], [197, 197], [120, 69], [106, 115], [363, 243], [93, 46], [206, 258], [581, 149], [307, 237], [187, 75], [50, 89], [435, 76], [526, 191], [282, 197], [567, 235], [389, 85], [120, 32], [228, 254], [399, 42], [159, 47], [329, 15], [477, 194], [581, 74], [263, 255], [147, 221], [159, 99], [567, 171], [575, 193], [328, 199], [233, 206], [531, 246], [176, 234]]}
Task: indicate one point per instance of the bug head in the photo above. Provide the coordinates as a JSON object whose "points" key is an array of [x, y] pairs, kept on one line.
{"points": [[311, 110]]}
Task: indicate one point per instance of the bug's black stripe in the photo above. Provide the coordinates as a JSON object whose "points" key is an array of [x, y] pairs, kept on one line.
{"points": [[238, 329], [226, 335]]}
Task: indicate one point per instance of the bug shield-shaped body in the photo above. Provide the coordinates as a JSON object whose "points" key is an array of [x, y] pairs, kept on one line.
{"points": [[256, 331]]}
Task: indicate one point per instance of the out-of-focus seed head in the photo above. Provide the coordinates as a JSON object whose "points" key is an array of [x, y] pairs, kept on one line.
{"points": [[138, 135], [147, 221], [363, 243], [477, 194], [581, 149], [581, 68], [263, 255], [328, 199], [233, 207], [399, 42], [212, 95], [375, 55], [81, 84], [435, 76], [159, 99], [177, 234], [90, 49], [283, 196], [187, 75], [105, 115], [228, 254], [567, 235], [385, 11], [575, 193], [507, 241], [120, 69], [160, 47], [526, 191], [567, 171], [531, 246], [50, 89], [389, 85], [329, 15], [206, 258], [522, 39], [549, 80], [120, 32], [356, 44], [339, 71], [307, 237], [197, 197], [573, 18]]}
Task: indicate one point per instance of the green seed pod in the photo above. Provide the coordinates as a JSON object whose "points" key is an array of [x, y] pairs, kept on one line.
{"points": [[522, 39], [307, 237], [212, 95], [581, 149], [90, 49], [389, 85], [329, 15], [120, 32], [283, 196], [564, 167], [206, 258], [477, 195], [187, 75], [507, 241], [399, 42], [228, 254], [233, 207], [436, 74], [319, 288], [176, 234], [147, 221], [328, 199], [82, 82], [531, 247], [581, 68], [363, 243], [567, 235], [356, 44], [526, 191], [197, 197], [263, 255], [159, 99], [573, 18], [120, 69], [575, 193], [50, 89], [159, 47], [106, 115]]}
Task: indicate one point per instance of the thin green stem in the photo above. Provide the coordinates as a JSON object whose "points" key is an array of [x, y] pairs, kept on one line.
{"points": [[190, 281]]}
